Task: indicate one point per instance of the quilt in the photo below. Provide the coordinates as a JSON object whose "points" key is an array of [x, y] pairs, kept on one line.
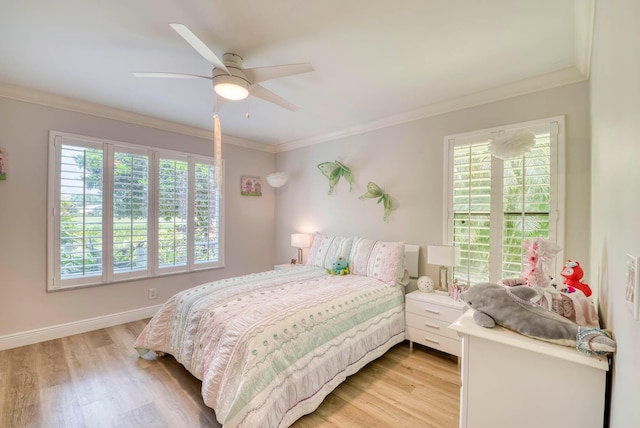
{"points": [[269, 347]]}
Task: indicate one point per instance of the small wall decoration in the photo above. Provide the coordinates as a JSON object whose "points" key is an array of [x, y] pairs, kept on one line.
{"points": [[277, 179], [3, 163], [250, 186], [374, 191], [333, 171]]}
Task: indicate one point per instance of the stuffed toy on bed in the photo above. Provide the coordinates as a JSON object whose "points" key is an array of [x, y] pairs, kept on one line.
{"points": [[340, 267], [511, 307]]}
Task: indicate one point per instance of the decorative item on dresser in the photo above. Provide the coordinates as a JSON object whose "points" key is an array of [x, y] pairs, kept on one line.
{"points": [[428, 316]]}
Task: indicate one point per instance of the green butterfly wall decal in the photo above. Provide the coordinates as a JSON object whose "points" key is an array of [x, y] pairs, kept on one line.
{"points": [[333, 171], [374, 191]]}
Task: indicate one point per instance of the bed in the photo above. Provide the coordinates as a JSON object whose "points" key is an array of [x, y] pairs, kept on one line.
{"points": [[270, 346]]}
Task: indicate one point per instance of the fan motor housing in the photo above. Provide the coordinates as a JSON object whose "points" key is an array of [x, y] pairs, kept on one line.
{"points": [[228, 86]]}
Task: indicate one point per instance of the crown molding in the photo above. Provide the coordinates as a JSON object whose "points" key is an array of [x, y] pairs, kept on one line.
{"points": [[547, 81], [555, 79], [584, 21], [48, 99]]}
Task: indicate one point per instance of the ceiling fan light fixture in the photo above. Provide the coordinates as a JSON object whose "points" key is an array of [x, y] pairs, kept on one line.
{"points": [[231, 87]]}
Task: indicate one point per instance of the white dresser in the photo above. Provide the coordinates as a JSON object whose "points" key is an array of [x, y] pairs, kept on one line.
{"points": [[510, 380], [428, 316]]}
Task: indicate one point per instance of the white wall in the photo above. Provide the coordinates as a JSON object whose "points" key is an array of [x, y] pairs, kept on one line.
{"points": [[615, 196], [24, 302], [408, 160]]}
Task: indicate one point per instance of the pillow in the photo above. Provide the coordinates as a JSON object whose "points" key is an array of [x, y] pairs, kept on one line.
{"points": [[403, 277], [377, 259], [326, 248]]}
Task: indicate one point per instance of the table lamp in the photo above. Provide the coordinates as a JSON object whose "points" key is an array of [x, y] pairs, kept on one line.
{"points": [[300, 241], [444, 256]]}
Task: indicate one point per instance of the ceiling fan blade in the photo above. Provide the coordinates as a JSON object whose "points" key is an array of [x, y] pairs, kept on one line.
{"points": [[172, 75], [267, 95], [199, 46], [260, 74]]}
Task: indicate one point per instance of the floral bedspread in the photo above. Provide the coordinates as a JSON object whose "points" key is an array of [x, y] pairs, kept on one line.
{"points": [[269, 347]]}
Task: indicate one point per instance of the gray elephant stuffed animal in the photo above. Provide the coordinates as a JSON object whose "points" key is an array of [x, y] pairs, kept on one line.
{"points": [[511, 307]]}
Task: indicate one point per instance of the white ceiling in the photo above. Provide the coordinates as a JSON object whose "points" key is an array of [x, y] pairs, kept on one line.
{"points": [[377, 62]]}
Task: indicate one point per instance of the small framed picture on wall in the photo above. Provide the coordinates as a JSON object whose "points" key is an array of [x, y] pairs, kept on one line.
{"points": [[251, 186], [3, 163]]}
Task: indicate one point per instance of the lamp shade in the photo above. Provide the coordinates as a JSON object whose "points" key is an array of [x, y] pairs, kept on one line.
{"points": [[301, 240], [277, 179], [443, 255]]}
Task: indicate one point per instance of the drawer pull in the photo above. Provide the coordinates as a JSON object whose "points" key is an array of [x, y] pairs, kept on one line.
{"points": [[437, 327], [432, 311], [431, 340]]}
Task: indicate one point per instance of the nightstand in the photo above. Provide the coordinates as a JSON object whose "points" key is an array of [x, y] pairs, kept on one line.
{"points": [[285, 266], [428, 317]]}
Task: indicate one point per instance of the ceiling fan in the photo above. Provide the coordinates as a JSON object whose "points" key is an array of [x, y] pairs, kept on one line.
{"points": [[230, 80]]}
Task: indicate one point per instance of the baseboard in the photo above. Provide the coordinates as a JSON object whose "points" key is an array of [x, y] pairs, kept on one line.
{"points": [[30, 337]]}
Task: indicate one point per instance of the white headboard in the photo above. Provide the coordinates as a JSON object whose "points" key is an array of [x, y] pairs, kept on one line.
{"points": [[411, 253]]}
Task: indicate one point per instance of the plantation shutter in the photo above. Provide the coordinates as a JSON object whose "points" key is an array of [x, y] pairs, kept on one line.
{"points": [[207, 215], [130, 212], [526, 203], [118, 211], [472, 210], [173, 213], [79, 185], [496, 205]]}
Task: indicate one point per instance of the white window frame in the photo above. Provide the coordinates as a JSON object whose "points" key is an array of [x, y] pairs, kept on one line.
{"points": [[556, 126], [54, 280]]}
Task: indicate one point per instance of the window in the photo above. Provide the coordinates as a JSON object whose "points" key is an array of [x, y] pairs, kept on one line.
{"points": [[494, 205], [130, 218], [119, 211], [173, 207]]}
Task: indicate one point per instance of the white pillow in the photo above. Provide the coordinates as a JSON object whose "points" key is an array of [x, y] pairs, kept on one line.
{"points": [[377, 259], [325, 249], [403, 277]]}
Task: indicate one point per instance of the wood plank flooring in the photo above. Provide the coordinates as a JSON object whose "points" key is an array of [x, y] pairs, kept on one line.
{"points": [[96, 379]]}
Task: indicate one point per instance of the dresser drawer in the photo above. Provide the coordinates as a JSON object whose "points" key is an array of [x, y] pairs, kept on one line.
{"points": [[431, 325], [435, 341], [433, 310]]}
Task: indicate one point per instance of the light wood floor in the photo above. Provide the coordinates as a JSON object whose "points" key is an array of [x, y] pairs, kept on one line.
{"points": [[97, 380]]}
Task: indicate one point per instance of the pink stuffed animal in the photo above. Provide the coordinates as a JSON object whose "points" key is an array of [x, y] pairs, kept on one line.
{"points": [[573, 274], [539, 254]]}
